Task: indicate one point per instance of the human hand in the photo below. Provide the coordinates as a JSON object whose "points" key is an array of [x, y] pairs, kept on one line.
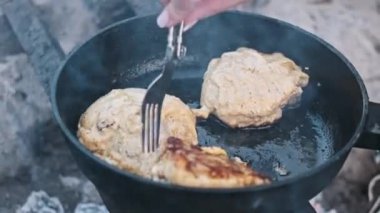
{"points": [[190, 11]]}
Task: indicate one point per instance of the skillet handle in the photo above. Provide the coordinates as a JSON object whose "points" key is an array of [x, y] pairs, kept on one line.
{"points": [[370, 138]]}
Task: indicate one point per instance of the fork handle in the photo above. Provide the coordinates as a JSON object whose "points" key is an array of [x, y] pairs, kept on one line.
{"points": [[175, 49], [167, 73]]}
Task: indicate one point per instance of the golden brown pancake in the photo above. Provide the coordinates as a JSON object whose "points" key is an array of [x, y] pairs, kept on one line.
{"points": [[191, 165], [111, 128], [247, 88]]}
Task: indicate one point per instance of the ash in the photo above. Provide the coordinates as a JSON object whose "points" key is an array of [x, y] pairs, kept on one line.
{"points": [[37, 172]]}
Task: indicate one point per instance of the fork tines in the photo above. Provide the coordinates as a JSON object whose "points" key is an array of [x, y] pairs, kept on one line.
{"points": [[152, 103], [151, 127]]}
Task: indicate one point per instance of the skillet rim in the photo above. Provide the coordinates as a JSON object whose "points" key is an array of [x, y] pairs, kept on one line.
{"points": [[142, 180]]}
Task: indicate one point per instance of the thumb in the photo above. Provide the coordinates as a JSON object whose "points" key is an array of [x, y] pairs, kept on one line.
{"points": [[175, 12]]}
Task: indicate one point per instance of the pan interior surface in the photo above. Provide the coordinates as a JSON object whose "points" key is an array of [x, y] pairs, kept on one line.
{"points": [[130, 55], [302, 139]]}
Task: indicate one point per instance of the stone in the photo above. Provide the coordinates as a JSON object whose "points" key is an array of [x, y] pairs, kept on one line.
{"points": [[346, 24], [39, 202], [145, 7], [107, 12], [344, 196], [359, 167], [70, 22], [70, 182], [317, 204], [347, 193], [43, 51], [90, 208], [8, 41], [85, 188], [89, 193], [23, 104]]}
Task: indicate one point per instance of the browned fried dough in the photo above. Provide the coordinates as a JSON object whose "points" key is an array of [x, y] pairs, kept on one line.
{"points": [[247, 88]]}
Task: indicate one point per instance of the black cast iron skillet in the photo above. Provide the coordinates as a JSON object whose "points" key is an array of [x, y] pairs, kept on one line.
{"points": [[311, 141]]}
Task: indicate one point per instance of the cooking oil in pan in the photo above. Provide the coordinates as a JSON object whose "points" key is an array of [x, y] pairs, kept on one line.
{"points": [[302, 139]]}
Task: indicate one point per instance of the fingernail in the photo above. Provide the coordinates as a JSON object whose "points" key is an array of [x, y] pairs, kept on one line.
{"points": [[188, 26], [163, 19]]}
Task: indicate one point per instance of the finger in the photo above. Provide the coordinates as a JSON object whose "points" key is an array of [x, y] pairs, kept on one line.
{"points": [[165, 2], [189, 25], [175, 12], [211, 7]]}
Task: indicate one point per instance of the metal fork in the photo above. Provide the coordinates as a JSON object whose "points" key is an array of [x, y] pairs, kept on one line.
{"points": [[152, 103]]}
